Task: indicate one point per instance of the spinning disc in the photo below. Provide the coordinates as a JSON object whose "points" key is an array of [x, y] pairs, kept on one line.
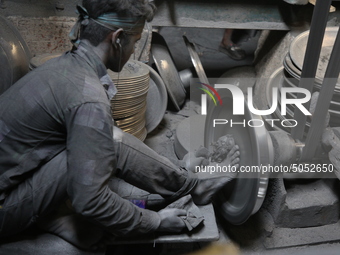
{"points": [[247, 196]]}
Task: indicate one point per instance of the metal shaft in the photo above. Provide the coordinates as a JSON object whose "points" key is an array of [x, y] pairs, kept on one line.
{"points": [[310, 63]]}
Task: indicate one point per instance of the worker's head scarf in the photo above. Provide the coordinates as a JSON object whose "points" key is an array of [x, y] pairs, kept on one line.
{"points": [[111, 20]]}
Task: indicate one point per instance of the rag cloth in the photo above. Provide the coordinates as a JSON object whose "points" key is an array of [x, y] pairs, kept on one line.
{"points": [[194, 216]]}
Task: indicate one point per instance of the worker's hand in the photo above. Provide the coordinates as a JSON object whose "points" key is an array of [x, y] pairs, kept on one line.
{"points": [[170, 220]]}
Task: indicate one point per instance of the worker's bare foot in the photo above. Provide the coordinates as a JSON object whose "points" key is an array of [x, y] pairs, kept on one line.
{"points": [[214, 177]]}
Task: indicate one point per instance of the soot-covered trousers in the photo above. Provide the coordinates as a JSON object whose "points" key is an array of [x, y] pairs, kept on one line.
{"points": [[45, 189]]}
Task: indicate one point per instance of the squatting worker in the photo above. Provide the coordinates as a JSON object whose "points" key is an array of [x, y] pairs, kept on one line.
{"points": [[58, 142]]}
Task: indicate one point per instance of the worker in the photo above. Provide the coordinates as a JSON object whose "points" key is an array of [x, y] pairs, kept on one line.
{"points": [[58, 141]]}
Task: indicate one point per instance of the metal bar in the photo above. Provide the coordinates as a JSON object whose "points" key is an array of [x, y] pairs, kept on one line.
{"points": [[324, 100], [236, 14], [310, 62]]}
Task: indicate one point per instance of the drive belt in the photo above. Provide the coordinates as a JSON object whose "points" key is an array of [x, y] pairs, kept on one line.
{"points": [[324, 100], [310, 63]]}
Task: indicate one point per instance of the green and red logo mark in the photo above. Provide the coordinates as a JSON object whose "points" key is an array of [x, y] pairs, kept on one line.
{"points": [[210, 89]]}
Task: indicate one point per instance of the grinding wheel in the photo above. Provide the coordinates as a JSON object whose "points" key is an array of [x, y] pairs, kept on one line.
{"points": [[256, 149]]}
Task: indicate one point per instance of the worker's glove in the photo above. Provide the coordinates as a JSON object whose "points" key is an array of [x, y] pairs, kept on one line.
{"points": [[170, 220]]}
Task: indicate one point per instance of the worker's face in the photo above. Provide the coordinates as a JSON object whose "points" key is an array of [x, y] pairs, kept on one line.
{"points": [[123, 53]]}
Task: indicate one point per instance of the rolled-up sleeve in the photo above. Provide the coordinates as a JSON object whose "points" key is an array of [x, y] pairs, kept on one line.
{"points": [[91, 163]]}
